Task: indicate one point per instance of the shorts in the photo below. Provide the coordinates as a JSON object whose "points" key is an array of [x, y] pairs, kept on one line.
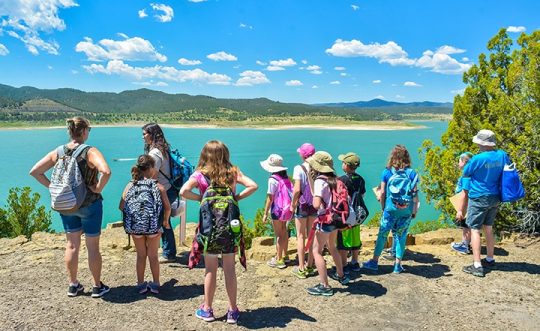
{"points": [[349, 239], [88, 219], [482, 211], [329, 227], [303, 214]]}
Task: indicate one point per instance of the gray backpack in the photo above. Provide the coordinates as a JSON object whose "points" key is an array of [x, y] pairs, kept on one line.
{"points": [[67, 188]]}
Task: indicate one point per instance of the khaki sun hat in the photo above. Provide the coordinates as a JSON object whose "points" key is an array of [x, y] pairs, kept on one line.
{"points": [[485, 138], [350, 158], [274, 163], [321, 162]]}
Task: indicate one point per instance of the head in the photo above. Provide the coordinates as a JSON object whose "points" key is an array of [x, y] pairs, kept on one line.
{"points": [[215, 163], [306, 150], [274, 165], [321, 163], [399, 158], [154, 137], [485, 139], [350, 162], [464, 158], [78, 128], [143, 168]]}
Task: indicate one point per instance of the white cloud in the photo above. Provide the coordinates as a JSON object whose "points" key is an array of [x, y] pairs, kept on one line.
{"points": [[167, 13], [274, 68], [251, 77], [336, 82], [314, 86], [26, 19], [3, 50], [399, 96], [142, 13], [261, 63], [50, 67], [304, 62], [377, 81], [151, 83], [315, 72], [355, 7], [516, 29], [131, 49], [222, 56], [445, 49], [411, 84], [339, 68], [465, 59], [379, 97], [283, 63], [75, 72], [390, 52], [313, 67], [344, 74], [294, 82], [440, 62], [118, 67], [186, 62], [246, 26]]}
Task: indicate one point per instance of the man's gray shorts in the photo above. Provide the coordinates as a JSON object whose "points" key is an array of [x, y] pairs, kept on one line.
{"points": [[482, 211]]}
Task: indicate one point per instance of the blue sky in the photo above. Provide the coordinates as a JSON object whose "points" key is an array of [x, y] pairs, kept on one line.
{"points": [[290, 51]]}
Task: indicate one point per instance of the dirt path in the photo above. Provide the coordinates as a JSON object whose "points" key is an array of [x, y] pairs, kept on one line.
{"points": [[434, 294]]}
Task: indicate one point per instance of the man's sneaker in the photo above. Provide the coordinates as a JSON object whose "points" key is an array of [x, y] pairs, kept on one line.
{"points": [[320, 289], [342, 280], [311, 271], [470, 269], [299, 273], [164, 259], [154, 287], [460, 248], [142, 288], [232, 316], [74, 290], [398, 268], [488, 264], [280, 264], [354, 266], [98, 292], [205, 315], [371, 265]]}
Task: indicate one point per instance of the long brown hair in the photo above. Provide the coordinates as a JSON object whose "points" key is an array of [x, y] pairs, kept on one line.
{"points": [[331, 177], [399, 158], [215, 163], [144, 163], [76, 126], [158, 139]]}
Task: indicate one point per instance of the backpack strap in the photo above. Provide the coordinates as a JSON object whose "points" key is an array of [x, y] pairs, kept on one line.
{"points": [[170, 166], [79, 150], [307, 179]]}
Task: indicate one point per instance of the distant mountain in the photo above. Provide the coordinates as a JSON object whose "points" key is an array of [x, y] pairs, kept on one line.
{"points": [[376, 103]]}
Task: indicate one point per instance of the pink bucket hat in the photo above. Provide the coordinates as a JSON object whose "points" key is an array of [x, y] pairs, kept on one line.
{"points": [[306, 150]]}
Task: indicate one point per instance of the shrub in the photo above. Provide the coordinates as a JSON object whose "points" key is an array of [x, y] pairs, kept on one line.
{"points": [[258, 228], [426, 226]]}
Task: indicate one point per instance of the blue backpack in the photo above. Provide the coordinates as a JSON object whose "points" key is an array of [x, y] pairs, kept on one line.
{"points": [[511, 185], [180, 167], [400, 192]]}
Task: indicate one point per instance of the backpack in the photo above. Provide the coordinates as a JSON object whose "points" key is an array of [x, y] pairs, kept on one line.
{"points": [[400, 192], [340, 212], [143, 208], [281, 206], [180, 167], [306, 197], [357, 201], [511, 185], [67, 188]]}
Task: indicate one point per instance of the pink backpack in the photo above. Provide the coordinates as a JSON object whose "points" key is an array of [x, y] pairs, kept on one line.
{"points": [[339, 211], [281, 206]]}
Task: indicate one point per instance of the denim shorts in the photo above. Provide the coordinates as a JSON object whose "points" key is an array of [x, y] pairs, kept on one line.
{"points": [[482, 211], [302, 214], [88, 219]]}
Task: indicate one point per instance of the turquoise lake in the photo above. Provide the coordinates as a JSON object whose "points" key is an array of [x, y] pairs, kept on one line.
{"points": [[22, 148]]}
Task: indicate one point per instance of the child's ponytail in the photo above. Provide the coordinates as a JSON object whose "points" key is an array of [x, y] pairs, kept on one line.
{"points": [[144, 163]]}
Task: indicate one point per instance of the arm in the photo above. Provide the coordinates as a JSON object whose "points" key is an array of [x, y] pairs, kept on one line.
{"points": [[122, 199], [463, 203], [267, 205], [166, 207], [42, 166], [317, 202], [382, 198], [416, 203], [97, 161], [295, 195], [187, 190], [250, 186]]}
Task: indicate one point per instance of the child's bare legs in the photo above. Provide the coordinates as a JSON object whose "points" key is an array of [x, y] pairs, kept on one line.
{"points": [[309, 226], [343, 255], [280, 230], [301, 230], [152, 246], [331, 244], [354, 255], [140, 246], [230, 279], [321, 239], [211, 266]]}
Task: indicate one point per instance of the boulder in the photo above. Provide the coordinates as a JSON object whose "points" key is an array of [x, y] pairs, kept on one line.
{"points": [[439, 237]]}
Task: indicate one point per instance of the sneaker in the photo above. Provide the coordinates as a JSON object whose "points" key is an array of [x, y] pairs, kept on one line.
{"points": [[280, 264], [154, 287], [320, 289], [347, 269], [460, 248], [142, 288], [232, 316], [342, 280], [163, 259], [354, 266], [310, 271], [371, 265], [74, 290], [98, 292], [205, 315], [390, 256], [488, 264], [398, 268], [470, 269], [299, 273], [272, 263]]}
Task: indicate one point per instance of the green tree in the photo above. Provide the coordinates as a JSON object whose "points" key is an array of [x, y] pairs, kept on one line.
{"points": [[503, 95], [23, 215]]}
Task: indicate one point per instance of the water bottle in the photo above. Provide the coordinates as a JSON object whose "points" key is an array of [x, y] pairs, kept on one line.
{"points": [[236, 227]]}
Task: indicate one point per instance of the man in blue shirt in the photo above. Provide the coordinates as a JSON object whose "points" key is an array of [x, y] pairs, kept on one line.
{"points": [[484, 172]]}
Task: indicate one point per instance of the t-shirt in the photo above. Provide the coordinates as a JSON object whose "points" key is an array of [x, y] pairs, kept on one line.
{"points": [[202, 183], [300, 175], [354, 182], [463, 183], [273, 186], [163, 165], [322, 190], [385, 176], [485, 170]]}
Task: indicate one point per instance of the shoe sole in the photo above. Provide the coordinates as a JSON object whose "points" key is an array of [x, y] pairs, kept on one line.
{"points": [[372, 269], [206, 319], [72, 295], [321, 294], [281, 266], [474, 273], [99, 295], [298, 275]]}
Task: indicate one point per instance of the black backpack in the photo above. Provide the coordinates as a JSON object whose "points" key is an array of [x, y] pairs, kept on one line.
{"points": [[356, 187], [142, 208]]}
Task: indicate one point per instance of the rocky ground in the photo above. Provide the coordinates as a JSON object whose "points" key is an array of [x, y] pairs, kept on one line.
{"points": [[433, 294]]}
